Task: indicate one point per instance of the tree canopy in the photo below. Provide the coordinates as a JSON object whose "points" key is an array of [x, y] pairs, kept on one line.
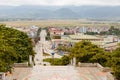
{"points": [[85, 51], [111, 31], [15, 46], [88, 52]]}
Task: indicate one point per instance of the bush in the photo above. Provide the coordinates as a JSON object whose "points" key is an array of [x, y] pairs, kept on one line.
{"points": [[55, 61], [56, 37]]}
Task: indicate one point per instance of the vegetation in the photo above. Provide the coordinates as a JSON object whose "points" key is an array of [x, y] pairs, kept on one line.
{"points": [[115, 62], [59, 23], [37, 38], [63, 48], [92, 33], [15, 46], [87, 52], [56, 61], [84, 51], [112, 31], [65, 60], [48, 33], [46, 54], [56, 37]]}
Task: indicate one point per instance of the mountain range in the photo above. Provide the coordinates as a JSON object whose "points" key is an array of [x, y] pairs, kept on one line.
{"points": [[60, 12]]}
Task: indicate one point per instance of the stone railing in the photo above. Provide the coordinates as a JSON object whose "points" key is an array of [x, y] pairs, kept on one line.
{"points": [[87, 64], [103, 69], [110, 77], [20, 64], [2, 76]]}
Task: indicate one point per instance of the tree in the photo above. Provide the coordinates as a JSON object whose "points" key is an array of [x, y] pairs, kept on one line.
{"points": [[111, 31], [62, 61], [84, 51], [37, 38], [102, 58], [15, 46], [92, 33], [65, 60], [48, 37], [115, 62], [62, 48]]}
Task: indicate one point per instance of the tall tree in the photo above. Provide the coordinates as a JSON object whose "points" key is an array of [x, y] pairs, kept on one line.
{"points": [[15, 46], [85, 51]]}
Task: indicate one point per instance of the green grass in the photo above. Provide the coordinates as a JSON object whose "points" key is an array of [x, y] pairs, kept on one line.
{"points": [[46, 54]]}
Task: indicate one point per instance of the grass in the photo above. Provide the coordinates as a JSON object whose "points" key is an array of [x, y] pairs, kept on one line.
{"points": [[60, 23], [46, 54]]}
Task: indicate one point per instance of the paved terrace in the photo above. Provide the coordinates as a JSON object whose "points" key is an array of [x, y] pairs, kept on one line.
{"points": [[58, 73], [19, 73]]}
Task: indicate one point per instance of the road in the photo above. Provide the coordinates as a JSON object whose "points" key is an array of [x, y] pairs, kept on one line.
{"points": [[41, 46]]}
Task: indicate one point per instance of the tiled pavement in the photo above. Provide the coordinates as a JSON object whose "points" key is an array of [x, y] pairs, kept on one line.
{"points": [[19, 73], [65, 73]]}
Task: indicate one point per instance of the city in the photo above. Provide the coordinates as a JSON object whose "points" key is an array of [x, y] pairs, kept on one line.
{"points": [[59, 40]]}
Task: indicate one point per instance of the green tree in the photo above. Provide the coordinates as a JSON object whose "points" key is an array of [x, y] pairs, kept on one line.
{"points": [[115, 62], [84, 51], [102, 58], [62, 48], [48, 37], [15, 46], [65, 60], [111, 31], [37, 38]]}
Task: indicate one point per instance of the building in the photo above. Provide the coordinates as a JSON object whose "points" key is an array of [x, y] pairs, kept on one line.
{"points": [[83, 29], [109, 43], [56, 31], [80, 37]]}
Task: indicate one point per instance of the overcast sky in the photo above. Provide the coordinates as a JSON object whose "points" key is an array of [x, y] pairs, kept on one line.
{"points": [[60, 2]]}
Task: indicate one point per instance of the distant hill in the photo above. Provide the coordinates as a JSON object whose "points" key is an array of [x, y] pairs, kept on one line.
{"points": [[47, 12]]}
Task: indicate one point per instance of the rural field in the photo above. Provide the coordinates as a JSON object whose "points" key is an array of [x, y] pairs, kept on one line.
{"points": [[62, 23]]}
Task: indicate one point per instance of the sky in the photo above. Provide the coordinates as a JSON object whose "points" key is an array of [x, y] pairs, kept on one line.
{"points": [[60, 2]]}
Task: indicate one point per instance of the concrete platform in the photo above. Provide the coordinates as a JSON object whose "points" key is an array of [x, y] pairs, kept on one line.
{"points": [[58, 73]]}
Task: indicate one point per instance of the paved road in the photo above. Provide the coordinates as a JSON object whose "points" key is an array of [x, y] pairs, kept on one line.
{"points": [[43, 45], [39, 49], [39, 56], [47, 49]]}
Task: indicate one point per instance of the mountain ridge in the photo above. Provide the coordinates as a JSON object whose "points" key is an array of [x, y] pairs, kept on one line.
{"points": [[48, 12]]}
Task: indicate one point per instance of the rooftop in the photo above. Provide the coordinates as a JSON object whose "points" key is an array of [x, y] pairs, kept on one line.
{"points": [[82, 36]]}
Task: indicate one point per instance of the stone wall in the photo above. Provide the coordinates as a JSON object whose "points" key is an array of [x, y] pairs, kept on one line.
{"points": [[87, 64]]}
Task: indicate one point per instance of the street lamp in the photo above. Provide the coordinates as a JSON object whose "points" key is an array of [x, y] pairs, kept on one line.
{"points": [[53, 57]]}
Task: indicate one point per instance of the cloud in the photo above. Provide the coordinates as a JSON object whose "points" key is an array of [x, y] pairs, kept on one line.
{"points": [[60, 2]]}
